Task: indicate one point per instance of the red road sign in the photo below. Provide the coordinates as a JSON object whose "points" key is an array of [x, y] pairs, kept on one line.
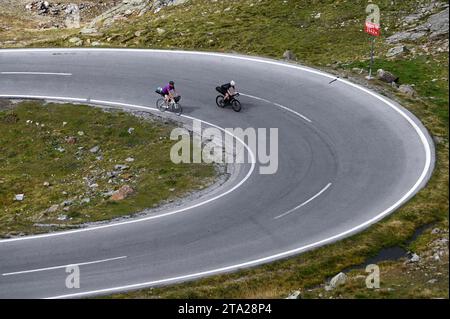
{"points": [[372, 29]]}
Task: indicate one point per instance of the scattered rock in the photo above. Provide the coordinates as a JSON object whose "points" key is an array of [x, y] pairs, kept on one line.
{"points": [[46, 184], [95, 149], [294, 295], [122, 193], [75, 40], [396, 51], [86, 200], [62, 217], [407, 89], [338, 280], [413, 258], [19, 197], [438, 24], [71, 140], [112, 174], [289, 55], [52, 209], [129, 160], [108, 194], [435, 231], [160, 31], [66, 203], [72, 20], [405, 36], [121, 167], [131, 130], [80, 133], [386, 76], [435, 27]]}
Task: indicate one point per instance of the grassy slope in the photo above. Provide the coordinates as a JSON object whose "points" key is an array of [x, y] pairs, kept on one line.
{"points": [[29, 157], [336, 39]]}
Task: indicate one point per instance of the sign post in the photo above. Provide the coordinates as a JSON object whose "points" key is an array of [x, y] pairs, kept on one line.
{"points": [[372, 27]]}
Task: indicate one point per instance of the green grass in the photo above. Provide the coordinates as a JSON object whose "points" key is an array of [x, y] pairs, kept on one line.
{"points": [[428, 74], [30, 157]]}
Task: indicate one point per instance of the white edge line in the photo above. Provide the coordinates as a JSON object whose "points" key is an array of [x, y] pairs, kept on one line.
{"points": [[63, 266], [35, 73], [304, 203], [330, 239], [252, 161], [279, 105]]}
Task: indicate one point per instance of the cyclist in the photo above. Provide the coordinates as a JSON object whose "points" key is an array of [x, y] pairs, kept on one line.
{"points": [[169, 92], [228, 90]]}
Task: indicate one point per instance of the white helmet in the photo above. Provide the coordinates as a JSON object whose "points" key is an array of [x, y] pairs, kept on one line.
{"points": [[232, 83]]}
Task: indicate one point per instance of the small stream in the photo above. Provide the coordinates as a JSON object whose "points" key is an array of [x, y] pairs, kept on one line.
{"points": [[391, 253]]}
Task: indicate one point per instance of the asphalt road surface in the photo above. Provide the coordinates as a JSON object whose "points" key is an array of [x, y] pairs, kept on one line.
{"points": [[347, 158]]}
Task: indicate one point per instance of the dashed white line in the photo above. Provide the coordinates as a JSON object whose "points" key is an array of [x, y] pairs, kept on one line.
{"points": [[304, 203], [62, 266], [36, 73], [279, 105]]}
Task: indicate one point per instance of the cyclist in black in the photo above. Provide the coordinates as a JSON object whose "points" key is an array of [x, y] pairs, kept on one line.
{"points": [[228, 90]]}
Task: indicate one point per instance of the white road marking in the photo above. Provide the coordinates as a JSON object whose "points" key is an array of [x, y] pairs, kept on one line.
{"points": [[279, 105], [36, 73], [58, 98], [304, 203], [63, 266], [426, 170]]}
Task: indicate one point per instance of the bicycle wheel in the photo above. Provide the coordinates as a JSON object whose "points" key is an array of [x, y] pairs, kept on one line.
{"points": [[161, 105], [177, 109], [236, 105], [219, 101]]}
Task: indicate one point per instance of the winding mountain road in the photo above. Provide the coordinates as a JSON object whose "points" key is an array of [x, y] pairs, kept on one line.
{"points": [[347, 158]]}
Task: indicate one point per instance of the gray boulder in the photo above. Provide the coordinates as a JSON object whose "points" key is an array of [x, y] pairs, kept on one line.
{"points": [[411, 35], [95, 149], [396, 51], [407, 90], [413, 258], [336, 281], [386, 76], [294, 295], [436, 26], [438, 23], [289, 55]]}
